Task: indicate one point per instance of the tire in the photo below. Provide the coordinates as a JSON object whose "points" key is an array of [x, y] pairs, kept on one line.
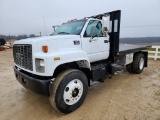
{"points": [[129, 68], [68, 90], [138, 63]]}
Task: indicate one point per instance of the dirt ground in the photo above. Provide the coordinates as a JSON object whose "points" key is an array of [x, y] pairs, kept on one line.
{"points": [[124, 97]]}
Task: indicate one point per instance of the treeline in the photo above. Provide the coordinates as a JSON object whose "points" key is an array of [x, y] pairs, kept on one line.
{"points": [[17, 37]]}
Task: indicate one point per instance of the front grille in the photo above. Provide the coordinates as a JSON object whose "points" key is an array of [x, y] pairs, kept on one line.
{"points": [[23, 56]]}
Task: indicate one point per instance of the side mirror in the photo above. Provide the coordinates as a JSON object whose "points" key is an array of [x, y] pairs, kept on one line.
{"points": [[105, 24]]}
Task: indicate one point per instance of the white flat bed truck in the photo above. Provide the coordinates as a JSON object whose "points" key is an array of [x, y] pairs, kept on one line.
{"points": [[64, 64]]}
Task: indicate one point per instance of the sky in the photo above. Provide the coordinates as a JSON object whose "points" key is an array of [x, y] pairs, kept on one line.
{"points": [[139, 18]]}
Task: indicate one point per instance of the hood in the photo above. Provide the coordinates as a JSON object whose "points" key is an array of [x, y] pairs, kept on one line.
{"points": [[46, 38], [54, 43]]}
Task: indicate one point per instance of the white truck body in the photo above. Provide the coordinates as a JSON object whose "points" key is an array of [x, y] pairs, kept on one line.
{"points": [[80, 51]]}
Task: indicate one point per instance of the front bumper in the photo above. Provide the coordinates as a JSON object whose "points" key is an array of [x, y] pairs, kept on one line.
{"points": [[32, 83]]}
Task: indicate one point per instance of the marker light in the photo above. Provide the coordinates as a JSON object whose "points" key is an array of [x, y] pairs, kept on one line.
{"points": [[45, 49], [118, 53], [56, 58]]}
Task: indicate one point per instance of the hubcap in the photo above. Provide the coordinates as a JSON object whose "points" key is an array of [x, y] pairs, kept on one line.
{"points": [[73, 92], [141, 63]]}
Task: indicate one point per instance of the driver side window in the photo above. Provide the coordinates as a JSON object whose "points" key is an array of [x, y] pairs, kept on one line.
{"points": [[94, 29]]}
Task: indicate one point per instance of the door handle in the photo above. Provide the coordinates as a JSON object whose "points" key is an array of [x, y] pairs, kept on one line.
{"points": [[106, 41]]}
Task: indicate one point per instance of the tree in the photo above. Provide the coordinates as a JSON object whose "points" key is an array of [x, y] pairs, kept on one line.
{"points": [[32, 35], [2, 42]]}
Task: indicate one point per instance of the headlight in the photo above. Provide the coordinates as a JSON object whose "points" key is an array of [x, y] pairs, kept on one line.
{"points": [[40, 65]]}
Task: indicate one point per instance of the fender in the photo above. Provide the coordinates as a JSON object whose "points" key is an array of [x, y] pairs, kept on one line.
{"points": [[66, 57]]}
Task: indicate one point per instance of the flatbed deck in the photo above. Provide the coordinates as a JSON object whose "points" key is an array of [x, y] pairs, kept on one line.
{"points": [[126, 49]]}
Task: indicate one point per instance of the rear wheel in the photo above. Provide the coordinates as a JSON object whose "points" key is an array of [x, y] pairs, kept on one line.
{"points": [[68, 90], [129, 67], [138, 63]]}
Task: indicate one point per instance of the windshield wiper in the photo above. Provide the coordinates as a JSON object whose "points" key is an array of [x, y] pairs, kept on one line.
{"points": [[62, 33]]}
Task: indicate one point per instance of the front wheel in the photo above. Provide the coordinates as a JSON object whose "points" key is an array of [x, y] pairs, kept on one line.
{"points": [[68, 90]]}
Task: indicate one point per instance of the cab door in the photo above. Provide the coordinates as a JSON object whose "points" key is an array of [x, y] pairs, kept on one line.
{"points": [[94, 43]]}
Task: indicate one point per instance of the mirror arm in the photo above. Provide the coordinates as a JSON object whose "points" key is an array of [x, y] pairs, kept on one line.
{"points": [[105, 31]]}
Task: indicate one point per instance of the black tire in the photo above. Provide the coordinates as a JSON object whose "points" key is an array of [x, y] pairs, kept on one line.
{"points": [[129, 68], [138, 63], [60, 88]]}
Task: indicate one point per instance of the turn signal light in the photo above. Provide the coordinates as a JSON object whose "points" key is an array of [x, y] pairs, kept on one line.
{"points": [[45, 49]]}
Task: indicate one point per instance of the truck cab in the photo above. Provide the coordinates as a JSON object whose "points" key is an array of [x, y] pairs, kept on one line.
{"points": [[74, 41]]}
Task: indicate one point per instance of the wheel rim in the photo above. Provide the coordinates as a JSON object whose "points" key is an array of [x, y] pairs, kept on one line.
{"points": [[141, 63], [73, 92]]}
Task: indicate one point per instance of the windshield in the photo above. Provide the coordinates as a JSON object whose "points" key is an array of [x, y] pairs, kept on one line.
{"points": [[73, 28]]}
